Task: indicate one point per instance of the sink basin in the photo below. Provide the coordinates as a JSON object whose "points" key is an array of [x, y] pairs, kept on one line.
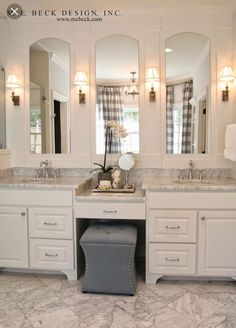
{"points": [[193, 181]]}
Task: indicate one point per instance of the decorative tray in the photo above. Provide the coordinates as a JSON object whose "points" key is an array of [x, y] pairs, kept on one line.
{"points": [[120, 190]]}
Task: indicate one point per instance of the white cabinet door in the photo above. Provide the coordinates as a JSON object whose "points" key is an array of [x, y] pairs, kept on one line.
{"points": [[217, 243], [13, 237]]}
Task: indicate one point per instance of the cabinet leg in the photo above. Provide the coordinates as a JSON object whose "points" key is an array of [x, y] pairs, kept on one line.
{"points": [[71, 275], [151, 279]]}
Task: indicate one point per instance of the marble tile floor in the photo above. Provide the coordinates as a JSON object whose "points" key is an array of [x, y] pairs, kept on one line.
{"points": [[33, 301]]}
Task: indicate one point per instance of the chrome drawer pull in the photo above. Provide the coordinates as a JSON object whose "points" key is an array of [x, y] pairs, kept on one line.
{"points": [[51, 255], [172, 260], [109, 211], [173, 228], [50, 224], [23, 213]]}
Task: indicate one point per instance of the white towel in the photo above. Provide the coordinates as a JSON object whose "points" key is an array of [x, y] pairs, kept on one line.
{"points": [[230, 142]]}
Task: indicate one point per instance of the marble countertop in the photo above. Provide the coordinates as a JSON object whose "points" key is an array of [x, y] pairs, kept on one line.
{"points": [[171, 184], [83, 187], [31, 182]]}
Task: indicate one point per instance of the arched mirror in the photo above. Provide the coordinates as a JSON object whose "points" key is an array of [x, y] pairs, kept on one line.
{"points": [[117, 93], [188, 80], [49, 97], [2, 110]]}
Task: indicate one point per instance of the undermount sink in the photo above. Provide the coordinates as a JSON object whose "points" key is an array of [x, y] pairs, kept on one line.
{"points": [[193, 181]]}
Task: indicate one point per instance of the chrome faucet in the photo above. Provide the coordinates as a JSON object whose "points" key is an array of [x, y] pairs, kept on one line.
{"points": [[44, 165], [190, 169]]}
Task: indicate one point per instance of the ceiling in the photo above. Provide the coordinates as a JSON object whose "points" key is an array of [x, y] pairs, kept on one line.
{"points": [[187, 49], [116, 57]]}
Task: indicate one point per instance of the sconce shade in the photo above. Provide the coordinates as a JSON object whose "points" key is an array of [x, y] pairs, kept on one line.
{"points": [[227, 74], [12, 81], [80, 78], [152, 74]]}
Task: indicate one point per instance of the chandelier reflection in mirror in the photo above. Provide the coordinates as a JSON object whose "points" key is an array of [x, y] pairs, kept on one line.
{"points": [[132, 89]]}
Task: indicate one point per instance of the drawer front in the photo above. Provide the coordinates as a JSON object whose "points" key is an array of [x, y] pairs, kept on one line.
{"points": [[51, 254], [36, 197], [172, 226], [175, 259], [51, 223], [192, 200], [111, 210]]}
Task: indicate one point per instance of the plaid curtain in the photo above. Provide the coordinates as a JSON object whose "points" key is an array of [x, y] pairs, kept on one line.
{"points": [[187, 118], [109, 101], [169, 119]]}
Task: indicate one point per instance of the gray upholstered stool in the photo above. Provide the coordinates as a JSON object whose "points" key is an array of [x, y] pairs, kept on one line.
{"points": [[109, 250]]}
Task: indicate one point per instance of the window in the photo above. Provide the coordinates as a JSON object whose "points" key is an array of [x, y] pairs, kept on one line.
{"points": [[131, 124]]}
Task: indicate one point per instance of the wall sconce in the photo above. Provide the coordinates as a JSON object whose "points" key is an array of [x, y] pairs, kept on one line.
{"points": [[152, 80], [12, 82], [80, 80], [226, 76]]}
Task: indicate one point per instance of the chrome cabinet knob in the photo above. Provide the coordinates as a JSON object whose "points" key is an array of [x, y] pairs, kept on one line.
{"points": [[203, 218]]}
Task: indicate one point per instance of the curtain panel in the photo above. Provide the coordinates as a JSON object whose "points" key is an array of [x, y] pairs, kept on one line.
{"points": [[187, 118], [109, 102], [169, 119]]}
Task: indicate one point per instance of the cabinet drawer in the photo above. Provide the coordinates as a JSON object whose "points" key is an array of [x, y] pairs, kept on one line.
{"points": [[172, 259], [172, 226], [51, 223], [51, 254], [111, 210], [36, 197]]}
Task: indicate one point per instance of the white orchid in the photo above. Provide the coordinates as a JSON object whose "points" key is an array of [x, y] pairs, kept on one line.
{"points": [[118, 129]]}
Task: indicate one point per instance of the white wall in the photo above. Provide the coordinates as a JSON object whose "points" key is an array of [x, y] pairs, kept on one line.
{"points": [[60, 81], [234, 65], [150, 30], [201, 76], [233, 92]]}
